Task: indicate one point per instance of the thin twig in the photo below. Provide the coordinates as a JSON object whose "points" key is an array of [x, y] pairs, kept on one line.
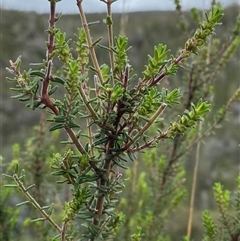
{"points": [[75, 140], [64, 224], [110, 34], [147, 125], [192, 198], [35, 203], [89, 41], [87, 104], [50, 47]]}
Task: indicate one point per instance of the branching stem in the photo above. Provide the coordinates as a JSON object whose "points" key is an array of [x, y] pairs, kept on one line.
{"points": [[147, 125], [35, 203], [86, 102]]}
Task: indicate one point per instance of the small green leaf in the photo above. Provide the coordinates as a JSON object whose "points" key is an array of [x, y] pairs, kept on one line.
{"points": [[16, 168], [18, 96], [118, 163], [28, 188], [18, 63], [71, 124], [55, 127], [37, 73], [101, 141], [59, 119], [108, 20], [59, 80], [10, 79], [25, 98], [22, 203], [51, 91], [11, 185], [97, 41], [11, 71], [38, 220]]}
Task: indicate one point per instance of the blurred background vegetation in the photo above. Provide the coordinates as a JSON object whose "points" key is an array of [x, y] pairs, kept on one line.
{"points": [[23, 34]]}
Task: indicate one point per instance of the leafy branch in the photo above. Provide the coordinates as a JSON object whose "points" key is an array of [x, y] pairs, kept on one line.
{"points": [[117, 112]]}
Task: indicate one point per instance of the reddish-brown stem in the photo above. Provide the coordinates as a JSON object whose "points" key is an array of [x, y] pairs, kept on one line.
{"points": [[108, 109], [102, 182], [73, 137], [63, 233], [45, 99], [163, 74], [52, 20], [126, 76], [235, 237], [107, 167], [149, 143], [50, 48]]}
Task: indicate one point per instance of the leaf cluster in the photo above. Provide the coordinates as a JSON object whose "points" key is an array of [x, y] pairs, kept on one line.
{"points": [[117, 110]]}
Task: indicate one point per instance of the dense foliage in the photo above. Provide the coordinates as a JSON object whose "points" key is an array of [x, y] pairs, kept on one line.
{"points": [[111, 115]]}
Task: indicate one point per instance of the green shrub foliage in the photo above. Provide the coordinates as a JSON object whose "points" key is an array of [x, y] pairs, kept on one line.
{"points": [[111, 115]]}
